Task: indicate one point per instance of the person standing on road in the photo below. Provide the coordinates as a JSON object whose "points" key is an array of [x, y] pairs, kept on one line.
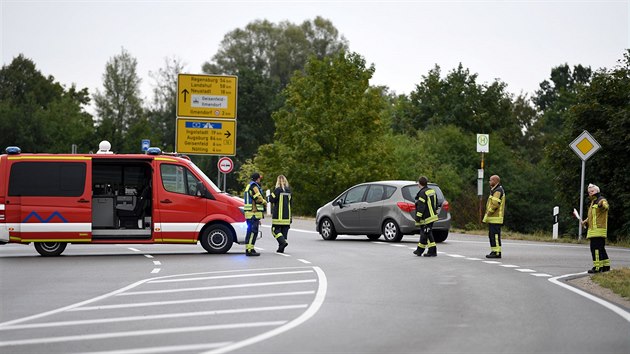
{"points": [[596, 223], [495, 209], [254, 206], [426, 215], [281, 212]]}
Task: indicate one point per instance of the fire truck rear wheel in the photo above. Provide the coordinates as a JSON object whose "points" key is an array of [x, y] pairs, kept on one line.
{"points": [[50, 249], [217, 239]]}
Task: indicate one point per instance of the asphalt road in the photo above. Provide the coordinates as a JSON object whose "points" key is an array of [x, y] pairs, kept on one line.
{"points": [[345, 296]]}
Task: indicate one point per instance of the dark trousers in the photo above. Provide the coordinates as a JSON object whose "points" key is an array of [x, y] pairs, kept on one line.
{"points": [[598, 252], [280, 230], [426, 233], [252, 233], [494, 234]]}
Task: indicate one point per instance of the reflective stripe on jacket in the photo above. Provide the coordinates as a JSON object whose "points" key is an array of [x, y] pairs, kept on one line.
{"points": [[281, 206], [495, 207], [253, 200], [426, 206], [597, 219]]}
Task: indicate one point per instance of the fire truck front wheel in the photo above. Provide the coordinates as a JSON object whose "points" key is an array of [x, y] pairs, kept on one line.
{"points": [[216, 239], [50, 249]]}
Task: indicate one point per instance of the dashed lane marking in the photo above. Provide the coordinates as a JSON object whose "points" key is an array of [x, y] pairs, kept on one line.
{"points": [[304, 261]]}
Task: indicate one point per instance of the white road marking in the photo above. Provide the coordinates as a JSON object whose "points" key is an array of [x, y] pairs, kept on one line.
{"points": [[621, 312], [525, 270], [155, 270], [230, 276], [492, 262], [283, 254], [133, 249], [168, 291], [473, 259], [168, 349], [509, 266], [456, 256], [157, 263], [397, 245], [148, 256], [310, 312], [151, 317], [138, 333], [190, 301], [304, 261], [541, 275]]}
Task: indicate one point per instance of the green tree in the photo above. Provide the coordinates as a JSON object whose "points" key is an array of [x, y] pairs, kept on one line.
{"points": [[602, 108], [162, 112], [264, 56], [38, 114], [119, 110], [330, 133]]}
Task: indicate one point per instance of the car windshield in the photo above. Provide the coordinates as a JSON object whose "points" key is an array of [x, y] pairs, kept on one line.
{"points": [[409, 192]]}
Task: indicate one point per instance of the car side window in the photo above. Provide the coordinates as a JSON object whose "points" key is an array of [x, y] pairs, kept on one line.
{"points": [[355, 195], [375, 193], [389, 191]]}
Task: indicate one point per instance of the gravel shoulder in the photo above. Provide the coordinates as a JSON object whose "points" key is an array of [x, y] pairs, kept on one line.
{"points": [[585, 283]]}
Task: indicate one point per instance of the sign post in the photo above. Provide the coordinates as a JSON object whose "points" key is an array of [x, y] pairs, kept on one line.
{"points": [[206, 114], [483, 145], [584, 146], [225, 165]]}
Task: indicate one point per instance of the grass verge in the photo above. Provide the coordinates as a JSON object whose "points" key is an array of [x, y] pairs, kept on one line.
{"points": [[617, 280]]}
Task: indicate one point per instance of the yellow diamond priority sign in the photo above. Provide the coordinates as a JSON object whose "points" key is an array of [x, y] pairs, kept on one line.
{"points": [[585, 145]]}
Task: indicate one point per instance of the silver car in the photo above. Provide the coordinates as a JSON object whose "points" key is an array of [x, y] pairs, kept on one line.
{"points": [[379, 208]]}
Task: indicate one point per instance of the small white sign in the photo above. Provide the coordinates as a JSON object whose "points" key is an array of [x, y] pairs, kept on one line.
{"points": [[585, 145], [483, 143], [206, 101]]}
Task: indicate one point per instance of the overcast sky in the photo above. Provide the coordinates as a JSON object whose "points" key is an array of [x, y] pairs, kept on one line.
{"points": [[517, 42]]}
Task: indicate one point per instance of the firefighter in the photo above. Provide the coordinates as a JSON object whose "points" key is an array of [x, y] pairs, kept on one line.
{"points": [[495, 208], [254, 206], [596, 223], [281, 212], [426, 215]]}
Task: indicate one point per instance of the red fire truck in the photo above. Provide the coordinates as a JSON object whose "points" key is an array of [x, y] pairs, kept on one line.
{"points": [[51, 200]]}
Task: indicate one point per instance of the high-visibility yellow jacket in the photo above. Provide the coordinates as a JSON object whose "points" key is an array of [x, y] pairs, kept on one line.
{"points": [[254, 201], [426, 206], [495, 207], [281, 206], [597, 219]]}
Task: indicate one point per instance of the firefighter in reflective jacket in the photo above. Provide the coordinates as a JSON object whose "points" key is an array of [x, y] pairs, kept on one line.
{"points": [[597, 224], [495, 208], [281, 212], [254, 206], [426, 215]]}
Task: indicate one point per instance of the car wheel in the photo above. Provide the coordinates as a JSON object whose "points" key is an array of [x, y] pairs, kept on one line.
{"points": [[440, 235], [391, 231], [327, 230], [217, 239], [373, 237], [50, 249]]}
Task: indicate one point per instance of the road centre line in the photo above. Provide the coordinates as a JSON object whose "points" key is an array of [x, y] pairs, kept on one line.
{"points": [[133, 249], [525, 270], [296, 230], [148, 256], [232, 286], [191, 301], [491, 262], [155, 270], [231, 276], [510, 266], [139, 333], [157, 263], [540, 275], [304, 261], [310, 312], [166, 349], [614, 308], [151, 317]]}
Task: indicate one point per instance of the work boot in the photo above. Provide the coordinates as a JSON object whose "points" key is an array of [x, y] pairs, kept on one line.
{"points": [[418, 251], [493, 255], [605, 268], [252, 253], [594, 270], [432, 252], [282, 244]]}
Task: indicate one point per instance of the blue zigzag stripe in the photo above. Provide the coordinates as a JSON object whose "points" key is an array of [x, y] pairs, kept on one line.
{"points": [[34, 214]]}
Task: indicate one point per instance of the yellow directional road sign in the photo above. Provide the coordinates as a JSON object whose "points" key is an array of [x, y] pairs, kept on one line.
{"points": [[206, 137], [206, 96]]}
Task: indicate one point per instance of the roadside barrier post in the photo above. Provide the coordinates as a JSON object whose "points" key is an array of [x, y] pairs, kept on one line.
{"points": [[268, 193], [556, 212]]}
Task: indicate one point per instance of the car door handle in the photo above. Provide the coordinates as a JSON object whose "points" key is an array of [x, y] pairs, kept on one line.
{"points": [[166, 201], [83, 200]]}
